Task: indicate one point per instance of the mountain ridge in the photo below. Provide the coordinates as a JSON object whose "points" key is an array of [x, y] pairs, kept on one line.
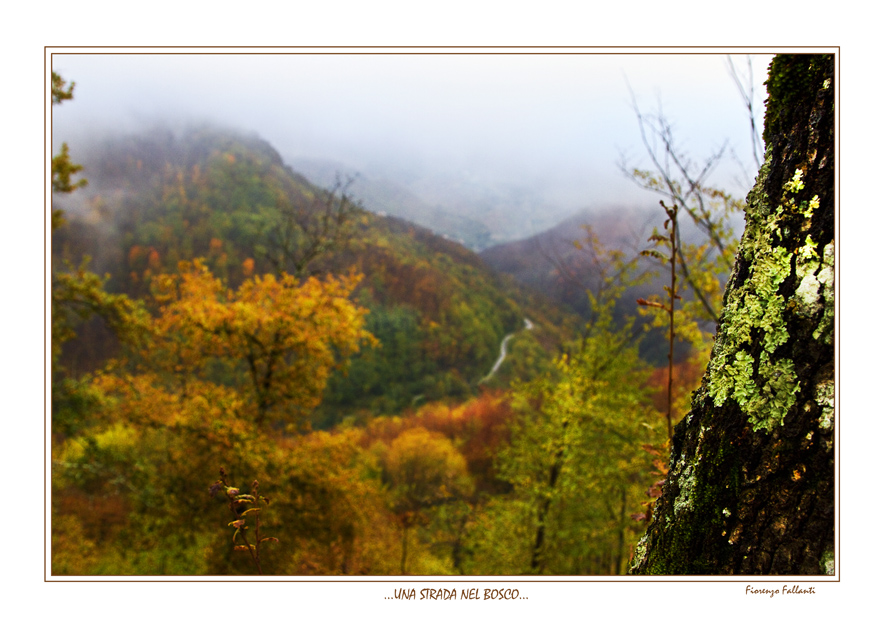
{"points": [[438, 309]]}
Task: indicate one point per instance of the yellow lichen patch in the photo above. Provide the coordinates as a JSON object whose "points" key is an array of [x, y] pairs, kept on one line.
{"points": [[763, 386]]}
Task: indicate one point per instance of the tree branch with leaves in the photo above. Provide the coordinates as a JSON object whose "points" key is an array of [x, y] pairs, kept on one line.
{"points": [[242, 506]]}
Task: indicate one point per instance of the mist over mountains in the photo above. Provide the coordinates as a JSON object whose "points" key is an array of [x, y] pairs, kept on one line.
{"points": [[473, 211], [482, 149], [508, 226], [163, 199], [470, 209]]}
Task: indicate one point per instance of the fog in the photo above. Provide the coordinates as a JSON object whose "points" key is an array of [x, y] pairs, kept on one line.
{"points": [[531, 136]]}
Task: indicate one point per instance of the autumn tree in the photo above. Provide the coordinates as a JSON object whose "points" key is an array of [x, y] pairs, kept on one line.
{"points": [[275, 339], [217, 372], [750, 487], [423, 470]]}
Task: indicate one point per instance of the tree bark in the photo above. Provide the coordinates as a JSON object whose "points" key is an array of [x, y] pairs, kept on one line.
{"points": [[750, 488]]}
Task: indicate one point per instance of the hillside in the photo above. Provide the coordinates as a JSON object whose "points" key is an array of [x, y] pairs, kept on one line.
{"points": [[439, 312], [538, 260], [551, 264], [252, 374], [280, 334]]}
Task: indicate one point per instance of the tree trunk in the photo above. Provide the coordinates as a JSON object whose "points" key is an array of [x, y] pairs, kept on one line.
{"points": [[750, 489], [403, 548]]}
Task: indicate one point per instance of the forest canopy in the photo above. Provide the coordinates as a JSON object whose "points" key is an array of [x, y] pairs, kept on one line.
{"points": [[252, 374]]}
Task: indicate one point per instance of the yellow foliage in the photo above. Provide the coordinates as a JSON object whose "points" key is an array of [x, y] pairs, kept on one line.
{"points": [[72, 552], [425, 468], [279, 336]]}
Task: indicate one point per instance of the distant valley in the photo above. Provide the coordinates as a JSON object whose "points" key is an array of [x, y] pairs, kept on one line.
{"points": [[538, 254], [403, 398], [477, 214], [160, 199]]}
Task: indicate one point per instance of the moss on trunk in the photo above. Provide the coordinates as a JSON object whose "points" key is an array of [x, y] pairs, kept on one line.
{"points": [[751, 483]]}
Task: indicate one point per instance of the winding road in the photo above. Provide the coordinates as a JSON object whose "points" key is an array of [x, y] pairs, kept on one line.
{"points": [[504, 351]]}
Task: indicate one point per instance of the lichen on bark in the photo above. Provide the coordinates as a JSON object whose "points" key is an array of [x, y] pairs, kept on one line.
{"points": [[764, 387], [751, 483]]}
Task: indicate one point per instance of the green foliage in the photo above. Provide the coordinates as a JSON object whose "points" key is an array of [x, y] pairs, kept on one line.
{"points": [[77, 295], [62, 171], [526, 359], [498, 537], [62, 166], [61, 90], [229, 200], [238, 339], [574, 459], [384, 378]]}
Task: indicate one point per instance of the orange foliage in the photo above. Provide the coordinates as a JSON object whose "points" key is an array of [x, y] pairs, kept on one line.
{"points": [[101, 516], [135, 254], [154, 259], [687, 378], [334, 516], [477, 428], [416, 285]]}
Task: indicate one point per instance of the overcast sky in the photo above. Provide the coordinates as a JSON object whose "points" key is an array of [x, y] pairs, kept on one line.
{"points": [[134, 92], [557, 123]]}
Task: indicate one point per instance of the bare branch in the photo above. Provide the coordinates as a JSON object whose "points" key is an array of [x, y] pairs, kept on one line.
{"points": [[682, 182], [745, 87], [310, 225]]}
